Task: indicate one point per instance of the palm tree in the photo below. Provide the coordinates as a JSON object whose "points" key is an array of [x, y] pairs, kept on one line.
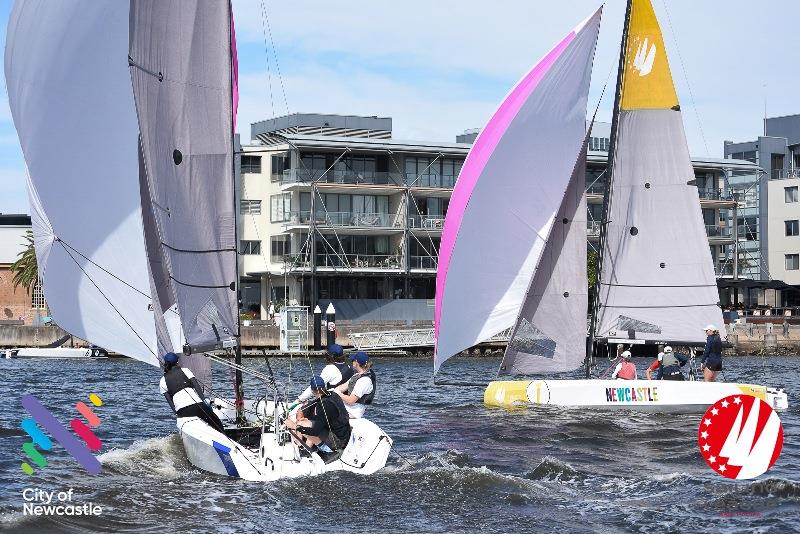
{"points": [[25, 269]]}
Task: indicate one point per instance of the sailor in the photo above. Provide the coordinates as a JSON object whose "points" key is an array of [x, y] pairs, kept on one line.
{"points": [[359, 391], [184, 393], [625, 369], [335, 373], [712, 354], [324, 423], [668, 364]]}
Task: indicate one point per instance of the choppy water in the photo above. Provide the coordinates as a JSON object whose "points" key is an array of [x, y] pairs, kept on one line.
{"points": [[459, 465]]}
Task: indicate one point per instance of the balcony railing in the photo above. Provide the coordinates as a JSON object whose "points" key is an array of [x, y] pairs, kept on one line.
{"points": [[593, 228], [338, 177], [344, 218], [429, 222], [713, 194], [422, 262], [780, 174], [430, 180], [596, 188], [295, 261], [360, 261], [712, 230]]}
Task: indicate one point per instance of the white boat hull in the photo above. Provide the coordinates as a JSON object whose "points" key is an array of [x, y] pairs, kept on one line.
{"points": [[213, 451], [644, 395], [59, 352]]}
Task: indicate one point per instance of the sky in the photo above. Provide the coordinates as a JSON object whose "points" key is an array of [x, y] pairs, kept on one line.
{"points": [[438, 68]]}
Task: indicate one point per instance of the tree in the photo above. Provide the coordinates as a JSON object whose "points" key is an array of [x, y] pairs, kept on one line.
{"points": [[25, 269]]}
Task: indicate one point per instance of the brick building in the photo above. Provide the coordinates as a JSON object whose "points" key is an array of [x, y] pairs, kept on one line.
{"points": [[16, 305]]}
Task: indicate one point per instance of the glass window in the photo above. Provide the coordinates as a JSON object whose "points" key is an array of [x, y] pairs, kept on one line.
{"points": [[280, 207], [250, 207], [792, 262], [790, 194], [792, 228], [279, 246], [37, 297], [250, 247], [251, 164]]}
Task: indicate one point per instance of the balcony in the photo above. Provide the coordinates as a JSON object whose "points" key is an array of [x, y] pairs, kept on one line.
{"points": [[714, 194], [593, 229], [422, 262], [780, 174], [712, 230], [359, 261], [306, 176], [343, 219], [431, 180], [426, 222]]}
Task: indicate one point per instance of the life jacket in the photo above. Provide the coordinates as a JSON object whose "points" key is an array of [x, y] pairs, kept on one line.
{"points": [[669, 359], [627, 372], [366, 399], [338, 424], [345, 370], [181, 391]]}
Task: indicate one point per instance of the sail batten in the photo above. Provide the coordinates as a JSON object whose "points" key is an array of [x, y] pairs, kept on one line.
{"points": [[507, 195]]}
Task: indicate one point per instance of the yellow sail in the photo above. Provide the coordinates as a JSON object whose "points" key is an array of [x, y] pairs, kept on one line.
{"points": [[647, 81]]}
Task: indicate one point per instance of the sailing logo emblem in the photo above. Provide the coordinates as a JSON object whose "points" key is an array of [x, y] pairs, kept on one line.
{"points": [[740, 437], [644, 58]]}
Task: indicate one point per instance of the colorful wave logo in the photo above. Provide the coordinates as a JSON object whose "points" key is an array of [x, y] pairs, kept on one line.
{"points": [[82, 452]]}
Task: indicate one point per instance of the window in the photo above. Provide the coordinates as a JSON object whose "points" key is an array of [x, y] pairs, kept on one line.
{"points": [[250, 207], [792, 228], [251, 164], [280, 207], [792, 262], [279, 246], [790, 194], [252, 248], [37, 296]]}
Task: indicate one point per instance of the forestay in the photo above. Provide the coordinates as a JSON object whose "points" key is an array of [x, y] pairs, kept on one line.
{"points": [[657, 281], [70, 96], [180, 57], [507, 195]]}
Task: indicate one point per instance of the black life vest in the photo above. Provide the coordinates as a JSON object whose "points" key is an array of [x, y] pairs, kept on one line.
{"points": [[346, 372], [331, 411], [366, 399], [176, 380]]}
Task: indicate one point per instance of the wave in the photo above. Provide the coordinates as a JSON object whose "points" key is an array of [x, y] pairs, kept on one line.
{"points": [[775, 487], [154, 457], [553, 469]]}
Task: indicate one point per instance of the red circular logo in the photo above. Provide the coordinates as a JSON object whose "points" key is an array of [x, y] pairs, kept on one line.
{"points": [[740, 437]]}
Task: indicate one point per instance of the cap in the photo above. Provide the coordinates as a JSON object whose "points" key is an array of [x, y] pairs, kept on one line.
{"points": [[667, 349], [171, 357], [627, 355], [317, 382], [335, 349], [710, 327], [360, 357]]}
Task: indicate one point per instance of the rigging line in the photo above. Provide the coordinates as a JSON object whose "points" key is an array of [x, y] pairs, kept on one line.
{"points": [[201, 286], [108, 300], [266, 54], [685, 75], [275, 56], [112, 275], [207, 251]]}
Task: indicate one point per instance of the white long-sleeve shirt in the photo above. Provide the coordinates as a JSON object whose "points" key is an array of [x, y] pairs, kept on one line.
{"points": [[330, 374]]}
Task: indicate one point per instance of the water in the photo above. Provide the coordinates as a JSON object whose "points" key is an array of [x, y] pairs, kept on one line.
{"points": [[459, 465]]}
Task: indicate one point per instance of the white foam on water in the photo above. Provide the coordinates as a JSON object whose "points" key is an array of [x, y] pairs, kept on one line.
{"points": [[161, 457]]}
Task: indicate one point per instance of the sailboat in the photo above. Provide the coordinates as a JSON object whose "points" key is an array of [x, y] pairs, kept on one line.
{"points": [[128, 108], [519, 204]]}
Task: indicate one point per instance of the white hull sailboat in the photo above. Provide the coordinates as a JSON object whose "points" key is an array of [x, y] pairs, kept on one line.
{"points": [[527, 270], [142, 130]]}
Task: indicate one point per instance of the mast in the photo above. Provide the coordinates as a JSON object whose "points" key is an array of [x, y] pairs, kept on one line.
{"points": [[607, 193], [238, 382]]}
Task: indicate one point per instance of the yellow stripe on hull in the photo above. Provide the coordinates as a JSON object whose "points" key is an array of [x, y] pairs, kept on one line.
{"points": [[506, 394]]}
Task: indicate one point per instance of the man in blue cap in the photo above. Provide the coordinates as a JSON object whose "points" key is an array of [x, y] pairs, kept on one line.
{"points": [[324, 422], [359, 391], [185, 394], [336, 371]]}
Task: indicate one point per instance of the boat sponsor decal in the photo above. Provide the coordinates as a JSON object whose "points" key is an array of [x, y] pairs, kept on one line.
{"points": [[740, 437], [82, 452], [630, 394], [225, 455]]}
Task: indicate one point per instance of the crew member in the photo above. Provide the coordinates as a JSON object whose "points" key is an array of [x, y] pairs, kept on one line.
{"points": [[324, 423], [184, 393], [359, 391], [712, 354], [668, 365], [625, 369], [335, 373]]}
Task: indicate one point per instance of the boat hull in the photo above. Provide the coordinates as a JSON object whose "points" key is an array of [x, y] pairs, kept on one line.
{"points": [[641, 395], [274, 459], [60, 352]]}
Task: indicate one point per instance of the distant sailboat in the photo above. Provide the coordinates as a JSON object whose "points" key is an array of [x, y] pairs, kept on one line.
{"points": [[127, 109], [526, 174]]}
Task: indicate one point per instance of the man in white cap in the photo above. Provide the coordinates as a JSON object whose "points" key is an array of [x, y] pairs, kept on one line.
{"points": [[712, 354], [625, 369], [669, 365]]}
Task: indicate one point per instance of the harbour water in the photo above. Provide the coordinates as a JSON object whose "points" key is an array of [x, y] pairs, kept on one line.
{"points": [[459, 466]]}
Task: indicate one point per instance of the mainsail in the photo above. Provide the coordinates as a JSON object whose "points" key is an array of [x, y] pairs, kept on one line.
{"points": [[70, 97], [507, 196], [180, 63], [657, 282]]}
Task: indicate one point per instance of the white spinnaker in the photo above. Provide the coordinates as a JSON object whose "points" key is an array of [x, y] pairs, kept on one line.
{"points": [[507, 195], [70, 96]]}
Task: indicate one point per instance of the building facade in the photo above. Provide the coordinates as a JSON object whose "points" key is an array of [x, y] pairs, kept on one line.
{"points": [[17, 306], [333, 208]]}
